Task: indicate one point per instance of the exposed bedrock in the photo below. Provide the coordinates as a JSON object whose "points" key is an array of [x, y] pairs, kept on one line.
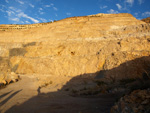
{"points": [[78, 45]]}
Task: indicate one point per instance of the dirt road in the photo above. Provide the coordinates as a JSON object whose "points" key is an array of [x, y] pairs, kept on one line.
{"points": [[25, 97]]}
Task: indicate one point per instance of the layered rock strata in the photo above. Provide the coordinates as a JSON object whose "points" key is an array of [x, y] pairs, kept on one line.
{"points": [[79, 45]]}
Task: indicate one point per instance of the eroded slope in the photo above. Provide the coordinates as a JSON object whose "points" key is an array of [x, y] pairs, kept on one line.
{"points": [[76, 46]]}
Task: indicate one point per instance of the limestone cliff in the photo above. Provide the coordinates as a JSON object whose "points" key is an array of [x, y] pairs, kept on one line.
{"points": [[78, 45]]}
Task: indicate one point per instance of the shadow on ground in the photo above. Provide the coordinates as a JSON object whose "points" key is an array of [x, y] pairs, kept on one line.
{"points": [[7, 99], [62, 102]]}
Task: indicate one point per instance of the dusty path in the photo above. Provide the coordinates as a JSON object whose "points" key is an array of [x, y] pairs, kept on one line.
{"points": [[24, 97]]}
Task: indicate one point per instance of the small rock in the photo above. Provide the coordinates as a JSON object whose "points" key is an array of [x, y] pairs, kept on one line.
{"points": [[4, 82]]}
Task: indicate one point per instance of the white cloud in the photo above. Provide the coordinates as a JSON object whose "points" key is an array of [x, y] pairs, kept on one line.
{"points": [[10, 13], [6, 1], [103, 7], [12, 8], [119, 6], [130, 2], [19, 1], [28, 17], [47, 6], [22, 22], [111, 11], [27, 22], [146, 14], [140, 1], [18, 10], [55, 8], [68, 14], [31, 5], [16, 16], [3, 6], [2, 10], [40, 11], [43, 20], [52, 4], [51, 20], [15, 19], [136, 14]]}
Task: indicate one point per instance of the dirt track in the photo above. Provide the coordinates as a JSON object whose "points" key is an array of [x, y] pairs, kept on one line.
{"points": [[24, 97]]}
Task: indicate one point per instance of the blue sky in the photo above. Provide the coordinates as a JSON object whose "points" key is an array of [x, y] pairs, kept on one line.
{"points": [[38, 11]]}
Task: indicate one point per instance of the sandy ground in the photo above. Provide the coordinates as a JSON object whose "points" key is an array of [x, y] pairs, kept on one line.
{"points": [[25, 97]]}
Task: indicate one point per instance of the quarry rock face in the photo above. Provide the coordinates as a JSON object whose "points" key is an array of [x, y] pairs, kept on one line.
{"points": [[78, 45], [137, 101], [147, 20]]}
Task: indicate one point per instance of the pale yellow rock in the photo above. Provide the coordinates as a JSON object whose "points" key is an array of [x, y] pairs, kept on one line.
{"points": [[2, 77], [75, 46]]}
